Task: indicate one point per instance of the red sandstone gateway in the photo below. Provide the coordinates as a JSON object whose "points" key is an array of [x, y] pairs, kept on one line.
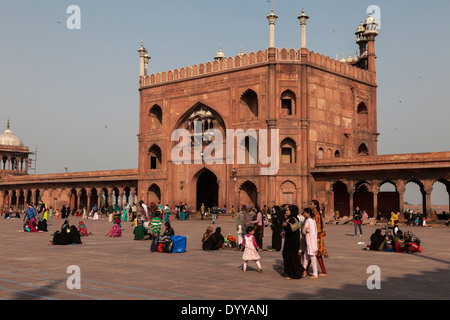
{"points": [[324, 109]]}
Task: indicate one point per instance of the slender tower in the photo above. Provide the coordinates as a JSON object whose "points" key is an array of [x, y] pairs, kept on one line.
{"points": [[144, 58], [303, 18], [272, 18]]}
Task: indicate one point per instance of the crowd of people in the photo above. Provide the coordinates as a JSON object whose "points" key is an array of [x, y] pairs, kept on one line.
{"points": [[303, 233], [303, 249]]}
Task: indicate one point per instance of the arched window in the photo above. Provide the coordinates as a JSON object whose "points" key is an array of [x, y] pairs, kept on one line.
{"points": [[154, 154], [287, 103], [288, 151], [320, 154], [155, 117], [363, 150], [249, 105], [362, 117], [337, 154]]}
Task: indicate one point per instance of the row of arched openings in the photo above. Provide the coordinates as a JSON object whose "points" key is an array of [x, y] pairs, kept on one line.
{"points": [[19, 199], [248, 107], [388, 199]]}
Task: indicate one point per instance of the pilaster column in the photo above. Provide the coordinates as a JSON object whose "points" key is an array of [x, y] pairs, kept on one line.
{"points": [[351, 192], [375, 192], [88, 194], [428, 201], [401, 192]]}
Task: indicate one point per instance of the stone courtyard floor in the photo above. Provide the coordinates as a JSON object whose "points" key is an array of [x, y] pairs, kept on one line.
{"points": [[124, 269]]}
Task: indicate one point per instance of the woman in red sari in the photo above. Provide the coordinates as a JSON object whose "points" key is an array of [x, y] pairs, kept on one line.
{"points": [[321, 233]]}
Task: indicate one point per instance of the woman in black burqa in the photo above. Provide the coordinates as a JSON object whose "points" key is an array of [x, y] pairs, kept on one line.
{"points": [[292, 266], [376, 240], [67, 235], [215, 241], [277, 229]]}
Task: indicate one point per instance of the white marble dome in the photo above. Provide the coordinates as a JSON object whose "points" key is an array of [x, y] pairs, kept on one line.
{"points": [[8, 138]]}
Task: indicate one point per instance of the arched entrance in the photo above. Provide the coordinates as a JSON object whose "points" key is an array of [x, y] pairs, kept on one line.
{"points": [[207, 189], [363, 198], [388, 198], [341, 199]]}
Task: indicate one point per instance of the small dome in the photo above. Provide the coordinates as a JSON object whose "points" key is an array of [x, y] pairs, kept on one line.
{"points": [[370, 20], [8, 138], [361, 28], [220, 54]]}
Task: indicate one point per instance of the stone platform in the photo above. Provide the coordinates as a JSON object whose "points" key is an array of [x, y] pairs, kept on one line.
{"points": [[124, 269]]}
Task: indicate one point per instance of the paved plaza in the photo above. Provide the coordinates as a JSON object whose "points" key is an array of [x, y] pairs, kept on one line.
{"points": [[124, 269]]}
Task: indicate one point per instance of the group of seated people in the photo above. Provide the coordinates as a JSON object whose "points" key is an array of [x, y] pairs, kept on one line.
{"points": [[35, 226], [395, 241], [213, 240], [68, 234]]}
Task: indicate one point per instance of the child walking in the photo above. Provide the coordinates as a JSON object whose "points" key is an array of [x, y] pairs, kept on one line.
{"points": [[250, 249]]}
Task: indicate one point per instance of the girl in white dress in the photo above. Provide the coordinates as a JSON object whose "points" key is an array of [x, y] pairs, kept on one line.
{"points": [[309, 232], [250, 249]]}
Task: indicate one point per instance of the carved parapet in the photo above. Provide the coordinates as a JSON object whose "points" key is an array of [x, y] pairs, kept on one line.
{"points": [[336, 66]]}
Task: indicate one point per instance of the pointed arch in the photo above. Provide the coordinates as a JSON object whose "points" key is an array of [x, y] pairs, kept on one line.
{"points": [[207, 188], [153, 193], [154, 157], [155, 117], [288, 103], [200, 112], [288, 151], [248, 105], [362, 115], [363, 150], [248, 194], [288, 192]]}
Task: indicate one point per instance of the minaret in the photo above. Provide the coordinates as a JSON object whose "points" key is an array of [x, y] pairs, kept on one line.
{"points": [[370, 33], [361, 39], [272, 17], [272, 101], [303, 17], [144, 58]]}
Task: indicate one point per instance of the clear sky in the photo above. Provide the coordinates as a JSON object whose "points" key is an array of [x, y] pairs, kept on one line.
{"points": [[73, 94]]}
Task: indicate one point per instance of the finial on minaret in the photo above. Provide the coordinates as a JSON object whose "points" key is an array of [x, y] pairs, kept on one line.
{"points": [[303, 17], [7, 124], [272, 17]]}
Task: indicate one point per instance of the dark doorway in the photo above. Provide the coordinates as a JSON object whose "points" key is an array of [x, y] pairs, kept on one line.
{"points": [[207, 190], [341, 199]]}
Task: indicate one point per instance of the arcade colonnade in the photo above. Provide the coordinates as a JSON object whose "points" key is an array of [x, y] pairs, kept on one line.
{"points": [[74, 190], [350, 184]]}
